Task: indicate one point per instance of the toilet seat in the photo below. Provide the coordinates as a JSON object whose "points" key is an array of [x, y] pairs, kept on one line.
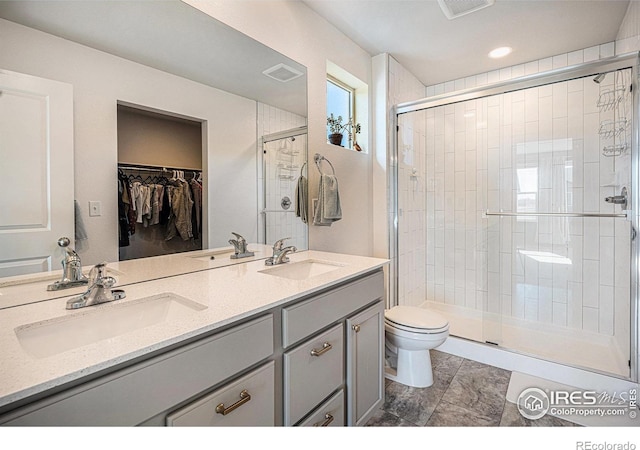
{"points": [[416, 320]]}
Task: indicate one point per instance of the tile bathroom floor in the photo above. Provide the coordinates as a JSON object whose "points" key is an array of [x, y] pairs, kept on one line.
{"points": [[464, 393]]}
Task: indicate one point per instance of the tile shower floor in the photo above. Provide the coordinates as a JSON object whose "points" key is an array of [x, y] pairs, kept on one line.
{"points": [[464, 393]]}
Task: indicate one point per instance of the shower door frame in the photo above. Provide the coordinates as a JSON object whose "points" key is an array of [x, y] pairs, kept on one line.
{"points": [[625, 61]]}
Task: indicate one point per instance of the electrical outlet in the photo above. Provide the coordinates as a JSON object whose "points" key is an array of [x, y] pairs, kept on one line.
{"points": [[95, 208]]}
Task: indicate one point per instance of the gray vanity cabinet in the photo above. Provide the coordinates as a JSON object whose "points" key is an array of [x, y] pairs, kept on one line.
{"points": [[346, 357], [132, 395], [315, 361]]}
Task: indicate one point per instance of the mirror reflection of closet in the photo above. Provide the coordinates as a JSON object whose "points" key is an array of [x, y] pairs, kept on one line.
{"points": [[159, 183]]}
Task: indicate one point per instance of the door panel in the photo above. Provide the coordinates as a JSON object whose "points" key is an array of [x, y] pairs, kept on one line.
{"points": [[36, 149]]}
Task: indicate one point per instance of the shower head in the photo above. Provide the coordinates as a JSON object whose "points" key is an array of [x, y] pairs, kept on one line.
{"points": [[598, 78]]}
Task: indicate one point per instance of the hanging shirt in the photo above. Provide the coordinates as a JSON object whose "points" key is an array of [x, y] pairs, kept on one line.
{"points": [[181, 204]]}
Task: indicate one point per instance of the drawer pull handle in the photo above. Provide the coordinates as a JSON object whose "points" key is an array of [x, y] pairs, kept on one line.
{"points": [[244, 398], [328, 419], [356, 328], [325, 348]]}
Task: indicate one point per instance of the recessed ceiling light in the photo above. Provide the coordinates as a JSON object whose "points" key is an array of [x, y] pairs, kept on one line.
{"points": [[500, 52]]}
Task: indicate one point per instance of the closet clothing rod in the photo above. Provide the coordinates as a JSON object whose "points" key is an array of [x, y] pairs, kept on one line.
{"points": [[155, 168], [561, 214]]}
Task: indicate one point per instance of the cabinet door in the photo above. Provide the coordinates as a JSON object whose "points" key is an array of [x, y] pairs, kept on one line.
{"points": [[365, 364]]}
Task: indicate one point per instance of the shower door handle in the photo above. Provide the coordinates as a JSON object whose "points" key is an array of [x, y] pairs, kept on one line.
{"points": [[618, 199]]}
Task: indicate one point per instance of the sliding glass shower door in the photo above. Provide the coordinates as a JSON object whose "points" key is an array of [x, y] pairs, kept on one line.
{"points": [[523, 196], [558, 240]]}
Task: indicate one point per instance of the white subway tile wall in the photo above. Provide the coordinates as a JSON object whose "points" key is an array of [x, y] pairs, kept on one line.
{"points": [[412, 251], [282, 162]]}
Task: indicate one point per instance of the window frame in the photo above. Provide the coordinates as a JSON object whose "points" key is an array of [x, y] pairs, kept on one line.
{"points": [[352, 100]]}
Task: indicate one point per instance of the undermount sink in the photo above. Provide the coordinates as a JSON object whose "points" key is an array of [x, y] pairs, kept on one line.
{"points": [[102, 322], [302, 270]]}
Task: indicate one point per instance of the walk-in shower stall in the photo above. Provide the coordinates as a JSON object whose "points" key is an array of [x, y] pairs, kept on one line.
{"points": [[516, 210]]}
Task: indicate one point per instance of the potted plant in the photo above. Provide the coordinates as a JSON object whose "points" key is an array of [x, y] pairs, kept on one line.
{"points": [[337, 128]]}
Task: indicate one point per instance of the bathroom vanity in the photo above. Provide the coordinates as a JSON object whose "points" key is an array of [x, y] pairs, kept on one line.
{"points": [[300, 343]]}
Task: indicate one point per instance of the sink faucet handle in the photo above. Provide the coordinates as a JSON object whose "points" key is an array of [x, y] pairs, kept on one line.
{"points": [[106, 282], [279, 243], [97, 272], [239, 237]]}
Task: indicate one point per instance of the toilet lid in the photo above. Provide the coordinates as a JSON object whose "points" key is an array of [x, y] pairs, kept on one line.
{"points": [[415, 317]]}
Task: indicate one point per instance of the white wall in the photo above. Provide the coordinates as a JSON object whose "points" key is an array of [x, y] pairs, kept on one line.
{"points": [[628, 38], [101, 80], [394, 84], [294, 30]]}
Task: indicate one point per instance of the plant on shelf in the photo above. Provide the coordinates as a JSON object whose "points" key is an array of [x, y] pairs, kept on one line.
{"points": [[337, 129]]}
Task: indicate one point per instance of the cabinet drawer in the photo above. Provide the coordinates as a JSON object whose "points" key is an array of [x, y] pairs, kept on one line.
{"points": [[329, 414], [249, 401], [305, 318], [312, 372], [134, 394]]}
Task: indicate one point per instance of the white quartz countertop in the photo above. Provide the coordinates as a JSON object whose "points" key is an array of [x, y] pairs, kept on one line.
{"points": [[23, 289], [224, 295]]}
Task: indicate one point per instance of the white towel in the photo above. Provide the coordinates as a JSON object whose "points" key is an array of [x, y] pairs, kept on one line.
{"points": [[301, 199], [328, 208]]}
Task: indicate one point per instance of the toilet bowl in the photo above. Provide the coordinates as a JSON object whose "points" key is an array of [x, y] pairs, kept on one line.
{"points": [[410, 332]]}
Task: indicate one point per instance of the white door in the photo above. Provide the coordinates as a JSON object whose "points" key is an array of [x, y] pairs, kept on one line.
{"points": [[36, 172]]}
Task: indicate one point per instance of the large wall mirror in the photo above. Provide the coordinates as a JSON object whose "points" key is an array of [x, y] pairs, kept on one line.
{"points": [[87, 82]]}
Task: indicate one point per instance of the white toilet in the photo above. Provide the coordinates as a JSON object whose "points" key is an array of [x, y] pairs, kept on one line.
{"points": [[410, 332]]}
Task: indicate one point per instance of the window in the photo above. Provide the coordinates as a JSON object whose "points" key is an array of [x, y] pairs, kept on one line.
{"points": [[348, 98], [340, 102]]}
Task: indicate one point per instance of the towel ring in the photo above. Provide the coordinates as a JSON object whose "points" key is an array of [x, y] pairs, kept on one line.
{"points": [[318, 158], [302, 168]]}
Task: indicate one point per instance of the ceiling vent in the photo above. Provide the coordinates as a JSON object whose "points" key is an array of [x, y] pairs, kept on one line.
{"points": [[456, 8], [282, 72]]}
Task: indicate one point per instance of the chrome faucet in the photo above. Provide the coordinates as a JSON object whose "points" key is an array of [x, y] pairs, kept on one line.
{"points": [[72, 275], [280, 253], [240, 247], [99, 289]]}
